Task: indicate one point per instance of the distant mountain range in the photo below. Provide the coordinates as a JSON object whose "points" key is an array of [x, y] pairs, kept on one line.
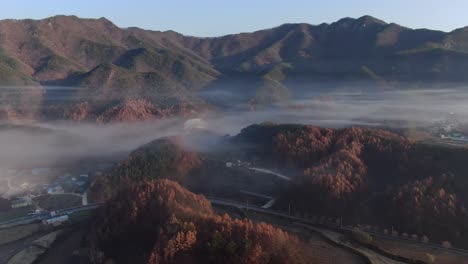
{"points": [[264, 66]]}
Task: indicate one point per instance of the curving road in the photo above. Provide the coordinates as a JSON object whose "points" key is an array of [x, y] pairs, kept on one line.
{"points": [[266, 171], [373, 256]]}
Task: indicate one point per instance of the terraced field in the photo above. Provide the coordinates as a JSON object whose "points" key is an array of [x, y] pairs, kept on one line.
{"points": [[326, 253], [17, 233], [56, 202], [417, 252], [319, 250]]}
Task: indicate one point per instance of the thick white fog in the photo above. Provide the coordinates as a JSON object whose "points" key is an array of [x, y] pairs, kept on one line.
{"points": [[55, 142], [410, 107], [65, 141]]}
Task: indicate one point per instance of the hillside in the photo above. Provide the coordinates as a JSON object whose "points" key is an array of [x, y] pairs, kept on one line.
{"points": [[161, 222], [369, 176], [365, 176], [67, 49], [263, 67], [201, 170], [56, 48]]}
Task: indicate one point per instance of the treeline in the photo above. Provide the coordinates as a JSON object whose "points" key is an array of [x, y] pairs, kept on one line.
{"points": [[365, 176], [161, 222], [369, 176], [162, 158]]}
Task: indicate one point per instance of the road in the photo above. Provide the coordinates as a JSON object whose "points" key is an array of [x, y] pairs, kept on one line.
{"points": [[373, 256], [269, 204], [49, 194], [332, 235], [219, 201], [266, 171], [45, 215]]}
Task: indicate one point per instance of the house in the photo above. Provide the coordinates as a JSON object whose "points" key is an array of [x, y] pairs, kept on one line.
{"points": [[55, 190]]}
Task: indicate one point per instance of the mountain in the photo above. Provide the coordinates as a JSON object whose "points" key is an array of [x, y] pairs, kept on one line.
{"points": [[113, 65], [57, 48], [364, 176], [85, 52], [371, 176], [161, 222]]}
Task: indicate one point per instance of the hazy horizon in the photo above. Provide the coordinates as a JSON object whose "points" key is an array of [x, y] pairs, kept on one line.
{"points": [[209, 18]]}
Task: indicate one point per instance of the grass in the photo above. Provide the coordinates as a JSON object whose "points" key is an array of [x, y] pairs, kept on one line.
{"points": [[10, 72], [17, 233], [57, 63], [56, 202], [27, 256], [15, 213], [419, 252], [80, 216], [47, 240]]}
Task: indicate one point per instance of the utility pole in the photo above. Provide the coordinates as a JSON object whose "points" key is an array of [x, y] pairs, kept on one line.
{"points": [[289, 209]]}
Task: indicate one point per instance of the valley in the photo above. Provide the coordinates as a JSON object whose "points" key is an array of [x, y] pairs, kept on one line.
{"points": [[339, 142]]}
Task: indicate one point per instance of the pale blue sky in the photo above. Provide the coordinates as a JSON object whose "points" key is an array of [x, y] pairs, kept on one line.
{"points": [[218, 17]]}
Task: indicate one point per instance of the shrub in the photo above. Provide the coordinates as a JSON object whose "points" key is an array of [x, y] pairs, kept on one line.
{"points": [[430, 259], [362, 237], [446, 244], [425, 239]]}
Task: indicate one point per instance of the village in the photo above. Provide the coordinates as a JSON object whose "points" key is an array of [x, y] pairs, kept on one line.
{"points": [[450, 131], [41, 193]]}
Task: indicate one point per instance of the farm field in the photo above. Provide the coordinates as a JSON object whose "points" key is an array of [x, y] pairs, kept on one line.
{"points": [[56, 202], [319, 249], [10, 249], [418, 252], [17, 233], [15, 213]]}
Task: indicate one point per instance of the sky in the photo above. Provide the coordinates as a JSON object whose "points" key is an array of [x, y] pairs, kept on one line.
{"points": [[219, 17]]}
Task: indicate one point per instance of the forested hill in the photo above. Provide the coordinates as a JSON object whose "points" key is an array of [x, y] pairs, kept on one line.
{"points": [[363, 175]]}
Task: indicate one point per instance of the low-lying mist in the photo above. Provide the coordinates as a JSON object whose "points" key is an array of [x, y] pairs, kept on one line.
{"points": [[46, 144], [51, 143], [339, 109]]}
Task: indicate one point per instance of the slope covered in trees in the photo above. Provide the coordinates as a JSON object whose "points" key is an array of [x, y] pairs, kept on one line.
{"points": [[161, 222], [366, 176], [162, 158], [370, 176]]}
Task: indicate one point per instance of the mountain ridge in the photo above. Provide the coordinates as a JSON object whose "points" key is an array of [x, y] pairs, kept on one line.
{"points": [[89, 42], [263, 67]]}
